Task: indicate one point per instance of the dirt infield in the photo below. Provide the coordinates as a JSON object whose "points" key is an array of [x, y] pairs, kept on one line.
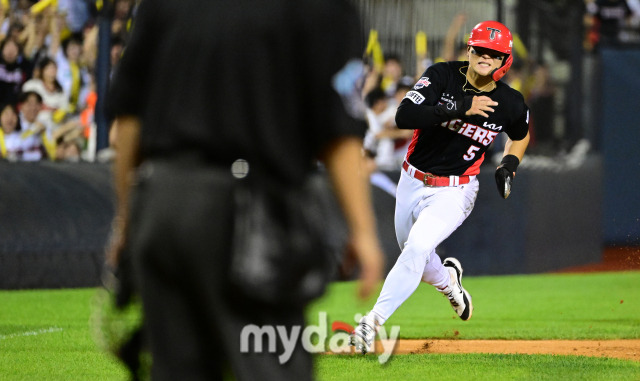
{"points": [[613, 259], [622, 349]]}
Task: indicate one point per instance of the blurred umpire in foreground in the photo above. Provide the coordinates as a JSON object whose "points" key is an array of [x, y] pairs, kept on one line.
{"points": [[200, 85]]}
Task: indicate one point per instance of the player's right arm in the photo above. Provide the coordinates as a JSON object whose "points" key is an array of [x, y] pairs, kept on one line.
{"points": [[421, 108], [125, 107]]}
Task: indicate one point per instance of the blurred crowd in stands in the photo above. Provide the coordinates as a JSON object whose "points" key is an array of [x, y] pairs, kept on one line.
{"points": [[48, 52], [611, 23]]}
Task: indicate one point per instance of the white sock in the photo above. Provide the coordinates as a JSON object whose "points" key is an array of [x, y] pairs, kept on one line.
{"points": [[435, 273]]}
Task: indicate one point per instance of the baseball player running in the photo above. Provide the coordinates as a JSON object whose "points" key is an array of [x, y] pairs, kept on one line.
{"points": [[456, 109]]}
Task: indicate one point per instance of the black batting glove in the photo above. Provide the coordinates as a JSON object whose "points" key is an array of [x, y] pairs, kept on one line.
{"points": [[505, 173]]}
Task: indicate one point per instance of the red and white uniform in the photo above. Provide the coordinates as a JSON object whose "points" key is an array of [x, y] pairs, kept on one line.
{"points": [[453, 149]]}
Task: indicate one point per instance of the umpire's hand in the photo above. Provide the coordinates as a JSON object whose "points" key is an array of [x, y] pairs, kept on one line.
{"points": [[367, 251]]}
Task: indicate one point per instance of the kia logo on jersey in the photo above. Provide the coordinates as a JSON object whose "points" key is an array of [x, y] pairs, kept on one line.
{"points": [[422, 82]]}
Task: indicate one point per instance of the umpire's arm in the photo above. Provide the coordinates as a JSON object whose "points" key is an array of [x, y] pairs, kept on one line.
{"points": [[343, 159], [126, 140]]}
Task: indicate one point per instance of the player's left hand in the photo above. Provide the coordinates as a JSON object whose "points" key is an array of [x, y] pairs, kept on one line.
{"points": [[504, 179], [481, 105]]}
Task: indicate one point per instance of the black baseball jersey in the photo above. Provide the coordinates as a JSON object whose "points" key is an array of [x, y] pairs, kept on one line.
{"points": [[447, 146]]}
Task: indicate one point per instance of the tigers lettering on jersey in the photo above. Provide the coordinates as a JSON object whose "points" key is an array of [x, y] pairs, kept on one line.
{"points": [[476, 133]]}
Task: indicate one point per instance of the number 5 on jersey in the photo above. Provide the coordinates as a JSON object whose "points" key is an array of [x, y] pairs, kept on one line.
{"points": [[471, 153]]}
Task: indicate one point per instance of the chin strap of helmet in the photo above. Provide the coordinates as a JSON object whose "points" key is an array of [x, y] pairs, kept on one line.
{"points": [[498, 73]]}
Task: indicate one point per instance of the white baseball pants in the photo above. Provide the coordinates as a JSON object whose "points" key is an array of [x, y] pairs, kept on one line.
{"points": [[424, 217]]}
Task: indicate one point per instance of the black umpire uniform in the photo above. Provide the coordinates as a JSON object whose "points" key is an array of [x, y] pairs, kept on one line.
{"points": [[213, 82]]}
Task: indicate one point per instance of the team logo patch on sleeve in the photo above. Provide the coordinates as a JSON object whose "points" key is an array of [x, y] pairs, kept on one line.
{"points": [[415, 97], [422, 82]]}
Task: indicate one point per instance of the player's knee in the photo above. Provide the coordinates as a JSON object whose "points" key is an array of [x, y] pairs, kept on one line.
{"points": [[416, 256]]}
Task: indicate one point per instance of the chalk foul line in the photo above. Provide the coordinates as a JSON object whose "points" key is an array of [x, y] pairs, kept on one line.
{"points": [[31, 333]]}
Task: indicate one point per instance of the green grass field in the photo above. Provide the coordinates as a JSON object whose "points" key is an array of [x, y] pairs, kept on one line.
{"points": [[45, 335]]}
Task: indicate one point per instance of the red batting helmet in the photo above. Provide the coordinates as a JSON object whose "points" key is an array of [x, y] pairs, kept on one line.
{"points": [[495, 36]]}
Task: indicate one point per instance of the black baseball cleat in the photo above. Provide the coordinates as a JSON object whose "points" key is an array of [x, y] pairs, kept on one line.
{"points": [[458, 297]]}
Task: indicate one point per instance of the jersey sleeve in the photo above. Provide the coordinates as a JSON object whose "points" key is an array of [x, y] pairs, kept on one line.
{"points": [[132, 75], [519, 129], [420, 107]]}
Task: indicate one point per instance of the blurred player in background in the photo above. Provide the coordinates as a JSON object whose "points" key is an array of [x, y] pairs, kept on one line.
{"points": [[244, 79], [456, 110]]}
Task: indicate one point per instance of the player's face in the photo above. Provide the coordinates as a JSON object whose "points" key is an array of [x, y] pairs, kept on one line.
{"points": [[484, 61]]}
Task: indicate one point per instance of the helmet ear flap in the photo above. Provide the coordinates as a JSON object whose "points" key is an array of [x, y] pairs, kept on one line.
{"points": [[498, 73]]}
